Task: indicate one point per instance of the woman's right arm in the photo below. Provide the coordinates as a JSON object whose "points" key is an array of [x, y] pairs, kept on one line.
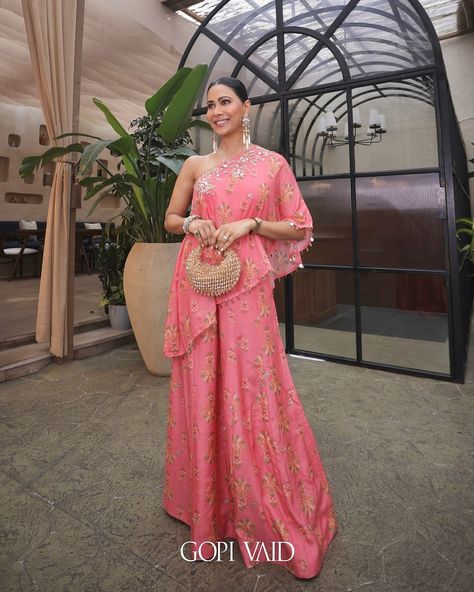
{"points": [[179, 202], [180, 198]]}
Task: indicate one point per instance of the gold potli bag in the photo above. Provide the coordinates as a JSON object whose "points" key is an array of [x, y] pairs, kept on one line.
{"points": [[209, 279]]}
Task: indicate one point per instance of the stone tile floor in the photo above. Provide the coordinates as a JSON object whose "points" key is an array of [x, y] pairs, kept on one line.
{"points": [[81, 477]]}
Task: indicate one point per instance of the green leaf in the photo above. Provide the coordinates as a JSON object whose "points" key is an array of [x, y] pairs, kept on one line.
{"points": [[99, 186], [161, 99], [28, 165], [183, 150], [31, 163], [114, 122], [91, 154], [123, 145], [200, 123], [174, 164], [76, 134], [177, 117]]}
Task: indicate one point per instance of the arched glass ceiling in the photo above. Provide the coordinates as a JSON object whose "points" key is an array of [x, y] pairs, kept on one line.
{"points": [[322, 42], [449, 17]]}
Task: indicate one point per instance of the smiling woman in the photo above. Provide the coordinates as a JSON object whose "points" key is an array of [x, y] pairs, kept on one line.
{"points": [[242, 461]]}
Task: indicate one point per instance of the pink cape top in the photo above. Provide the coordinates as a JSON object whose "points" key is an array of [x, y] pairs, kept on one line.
{"points": [[256, 182]]}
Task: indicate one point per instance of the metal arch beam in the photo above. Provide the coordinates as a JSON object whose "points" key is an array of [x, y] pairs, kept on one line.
{"points": [[388, 54], [333, 27], [307, 33], [303, 31]]}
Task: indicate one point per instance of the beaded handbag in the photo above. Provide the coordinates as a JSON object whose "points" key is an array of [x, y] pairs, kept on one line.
{"points": [[213, 280]]}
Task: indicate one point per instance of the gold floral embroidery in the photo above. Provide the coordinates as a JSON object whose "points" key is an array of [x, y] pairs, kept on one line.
{"points": [[208, 372], [263, 304], [243, 343], [261, 402], [240, 490], [306, 501], [268, 344], [283, 419], [274, 165], [264, 192], [299, 218], [209, 411], [274, 383], [171, 337], [171, 420], [268, 446], [231, 355], [210, 455], [280, 529], [250, 272], [210, 494], [269, 483], [167, 490], [291, 396], [225, 212], [287, 193], [170, 455], [259, 365], [238, 446], [293, 462], [246, 529], [244, 305]]}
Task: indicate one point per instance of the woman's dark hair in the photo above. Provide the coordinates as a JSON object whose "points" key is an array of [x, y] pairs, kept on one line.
{"points": [[234, 83]]}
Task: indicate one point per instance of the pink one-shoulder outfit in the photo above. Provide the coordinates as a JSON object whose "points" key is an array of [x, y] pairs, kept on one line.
{"points": [[241, 461]]}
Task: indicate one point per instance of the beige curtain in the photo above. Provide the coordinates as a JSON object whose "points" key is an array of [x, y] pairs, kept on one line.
{"points": [[55, 41]]}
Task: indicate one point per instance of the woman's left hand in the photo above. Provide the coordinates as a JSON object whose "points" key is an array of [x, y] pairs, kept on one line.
{"points": [[226, 234]]}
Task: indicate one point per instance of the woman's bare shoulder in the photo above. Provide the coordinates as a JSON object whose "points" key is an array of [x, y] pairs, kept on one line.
{"points": [[201, 163]]}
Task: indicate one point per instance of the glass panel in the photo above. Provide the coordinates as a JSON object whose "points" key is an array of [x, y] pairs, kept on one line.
{"points": [[404, 320], [266, 125], [324, 311], [205, 51], [409, 121], [323, 69], [375, 39], [241, 23], [255, 86], [329, 203], [401, 221], [266, 58], [311, 13], [311, 152]]}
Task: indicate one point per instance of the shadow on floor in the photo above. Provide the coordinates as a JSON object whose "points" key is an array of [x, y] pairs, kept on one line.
{"points": [[81, 482]]}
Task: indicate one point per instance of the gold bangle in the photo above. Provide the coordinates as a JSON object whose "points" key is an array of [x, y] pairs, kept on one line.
{"points": [[257, 225]]}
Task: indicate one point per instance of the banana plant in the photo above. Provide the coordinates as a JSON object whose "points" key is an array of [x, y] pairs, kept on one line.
{"points": [[146, 180], [466, 246]]}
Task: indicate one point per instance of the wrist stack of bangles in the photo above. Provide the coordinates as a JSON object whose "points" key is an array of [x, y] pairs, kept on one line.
{"points": [[187, 222]]}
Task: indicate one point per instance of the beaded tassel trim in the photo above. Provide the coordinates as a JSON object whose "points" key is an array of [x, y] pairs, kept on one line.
{"points": [[213, 280]]}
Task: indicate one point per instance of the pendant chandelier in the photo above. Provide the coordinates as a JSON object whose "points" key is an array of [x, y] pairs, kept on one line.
{"points": [[328, 127]]}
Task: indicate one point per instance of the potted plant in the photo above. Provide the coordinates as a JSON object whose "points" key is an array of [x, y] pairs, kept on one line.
{"points": [[151, 160], [111, 259]]}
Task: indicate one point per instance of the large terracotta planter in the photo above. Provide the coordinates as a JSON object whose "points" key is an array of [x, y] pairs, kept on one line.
{"points": [[147, 278]]}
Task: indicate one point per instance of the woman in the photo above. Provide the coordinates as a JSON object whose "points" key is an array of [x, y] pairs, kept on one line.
{"points": [[242, 462]]}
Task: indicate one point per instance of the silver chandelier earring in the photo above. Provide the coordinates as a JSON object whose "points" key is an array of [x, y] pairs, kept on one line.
{"points": [[246, 131], [214, 142]]}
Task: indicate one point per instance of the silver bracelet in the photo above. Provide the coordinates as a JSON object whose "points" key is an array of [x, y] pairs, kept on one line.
{"points": [[187, 222]]}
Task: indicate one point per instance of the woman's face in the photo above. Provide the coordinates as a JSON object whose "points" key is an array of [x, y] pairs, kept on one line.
{"points": [[225, 110]]}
